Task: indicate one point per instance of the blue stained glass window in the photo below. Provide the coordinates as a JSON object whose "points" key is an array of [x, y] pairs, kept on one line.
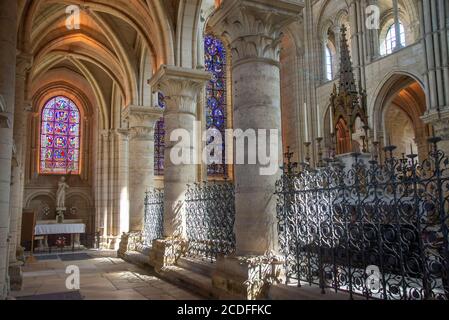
{"points": [[60, 137], [216, 107], [159, 140]]}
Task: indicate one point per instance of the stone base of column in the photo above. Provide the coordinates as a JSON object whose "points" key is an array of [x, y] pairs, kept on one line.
{"points": [[166, 252], [109, 243], [246, 277], [129, 242], [123, 246], [15, 276]]}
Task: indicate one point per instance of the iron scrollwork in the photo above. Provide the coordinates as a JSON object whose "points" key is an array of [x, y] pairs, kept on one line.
{"points": [[337, 225], [210, 216], [153, 218]]}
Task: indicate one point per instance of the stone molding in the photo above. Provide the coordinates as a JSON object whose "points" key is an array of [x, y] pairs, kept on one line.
{"points": [[141, 121], [181, 87], [253, 28]]}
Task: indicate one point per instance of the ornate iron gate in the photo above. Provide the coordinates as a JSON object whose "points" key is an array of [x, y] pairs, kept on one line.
{"points": [[378, 230], [210, 216], [153, 219]]}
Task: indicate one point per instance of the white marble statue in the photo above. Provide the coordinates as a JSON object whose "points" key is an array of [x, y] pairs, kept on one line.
{"points": [[61, 193]]}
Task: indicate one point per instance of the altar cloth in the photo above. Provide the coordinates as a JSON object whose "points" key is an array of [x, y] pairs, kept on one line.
{"points": [[46, 229]]}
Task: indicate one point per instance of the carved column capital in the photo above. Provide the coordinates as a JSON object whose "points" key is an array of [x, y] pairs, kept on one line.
{"points": [[253, 28], [105, 134], [180, 86], [141, 121]]}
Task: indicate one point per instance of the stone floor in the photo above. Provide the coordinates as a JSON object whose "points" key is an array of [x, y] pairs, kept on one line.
{"points": [[103, 277]]}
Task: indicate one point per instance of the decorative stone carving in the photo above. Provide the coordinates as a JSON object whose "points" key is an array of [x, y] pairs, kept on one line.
{"points": [[254, 28], [180, 87], [165, 253], [247, 277], [141, 121]]}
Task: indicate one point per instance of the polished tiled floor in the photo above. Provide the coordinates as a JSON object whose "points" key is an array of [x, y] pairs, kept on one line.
{"points": [[103, 277]]}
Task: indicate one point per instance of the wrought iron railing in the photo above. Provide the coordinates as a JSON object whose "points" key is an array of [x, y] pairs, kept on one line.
{"points": [[210, 216], [153, 217], [378, 230]]}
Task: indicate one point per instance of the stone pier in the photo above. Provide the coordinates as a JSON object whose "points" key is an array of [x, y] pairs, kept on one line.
{"points": [[181, 88], [142, 121], [435, 43], [8, 45], [253, 29]]}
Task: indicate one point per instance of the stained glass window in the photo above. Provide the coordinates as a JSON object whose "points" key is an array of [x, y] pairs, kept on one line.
{"points": [[216, 117], [159, 140], [60, 137]]}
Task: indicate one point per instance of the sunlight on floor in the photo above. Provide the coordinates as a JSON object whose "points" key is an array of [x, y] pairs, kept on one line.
{"points": [[102, 278]]}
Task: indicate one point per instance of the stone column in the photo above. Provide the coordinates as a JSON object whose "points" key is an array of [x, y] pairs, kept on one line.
{"points": [[373, 37], [8, 45], [434, 17], [356, 52], [337, 34], [397, 27], [253, 30], [103, 187], [141, 158], [16, 197], [123, 192], [181, 88]]}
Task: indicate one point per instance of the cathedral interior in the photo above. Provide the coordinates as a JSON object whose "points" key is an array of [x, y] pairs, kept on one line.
{"points": [[113, 157]]}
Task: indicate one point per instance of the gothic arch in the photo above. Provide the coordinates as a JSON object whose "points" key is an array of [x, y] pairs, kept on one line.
{"points": [[41, 193], [380, 94], [86, 197], [400, 101]]}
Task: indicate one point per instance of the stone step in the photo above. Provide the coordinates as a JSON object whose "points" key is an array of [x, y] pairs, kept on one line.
{"points": [[306, 292], [193, 281], [136, 258], [202, 267]]}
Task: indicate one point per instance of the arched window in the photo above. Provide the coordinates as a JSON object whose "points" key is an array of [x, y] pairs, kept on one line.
{"points": [[159, 140], [329, 71], [60, 137], [216, 107], [389, 43]]}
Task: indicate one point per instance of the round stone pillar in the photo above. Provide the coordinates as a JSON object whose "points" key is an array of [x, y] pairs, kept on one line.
{"points": [[8, 45], [253, 31], [257, 106], [181, 88], [141, 159]]}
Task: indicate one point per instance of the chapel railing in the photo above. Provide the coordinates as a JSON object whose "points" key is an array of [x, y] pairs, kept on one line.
{"points": [[153, 226], [376, 229], [210, 216]]}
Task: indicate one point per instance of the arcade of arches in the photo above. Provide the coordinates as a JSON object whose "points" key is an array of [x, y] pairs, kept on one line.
{"points": [[91, 90]]}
